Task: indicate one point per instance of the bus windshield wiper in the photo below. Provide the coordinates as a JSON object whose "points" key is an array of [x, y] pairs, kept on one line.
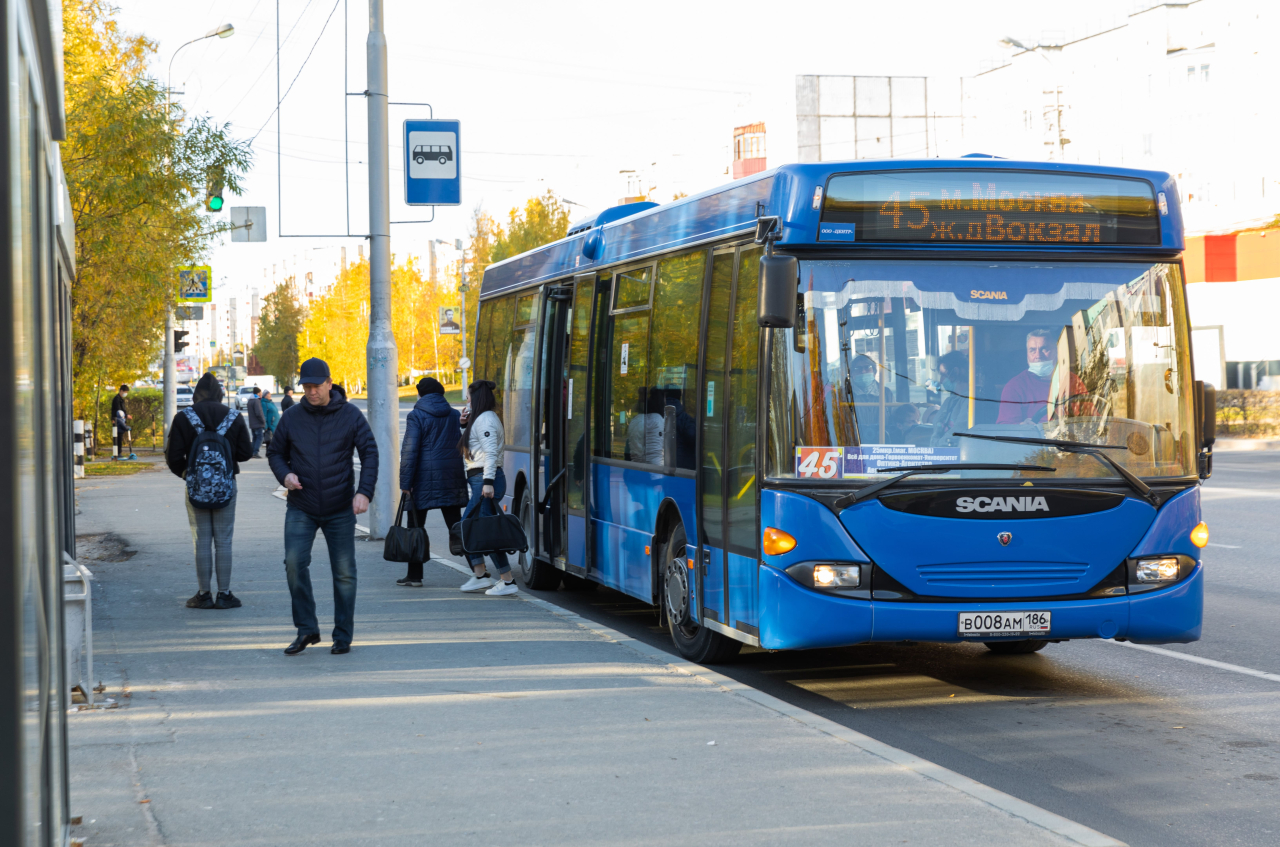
{"points": [[904, 472], [1094, 450]]}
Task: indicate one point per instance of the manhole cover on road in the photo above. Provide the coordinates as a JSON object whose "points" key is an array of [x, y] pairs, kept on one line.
{"points": [[107, 547]]}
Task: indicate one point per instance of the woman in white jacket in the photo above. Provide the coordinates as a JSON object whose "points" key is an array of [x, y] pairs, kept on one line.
{"points": [[482, 444]]}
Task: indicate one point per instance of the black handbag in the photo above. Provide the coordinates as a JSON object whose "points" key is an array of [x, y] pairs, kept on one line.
{"points": [[406, 544], [497, 533]]}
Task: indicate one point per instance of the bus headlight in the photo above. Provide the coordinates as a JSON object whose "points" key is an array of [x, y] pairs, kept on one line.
{"points": [[837, 577], [1157, 570], [1152, 572]]}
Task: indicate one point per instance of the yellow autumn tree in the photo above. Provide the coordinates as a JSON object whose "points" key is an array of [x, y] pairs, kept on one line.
{"points": [[136, 173]]}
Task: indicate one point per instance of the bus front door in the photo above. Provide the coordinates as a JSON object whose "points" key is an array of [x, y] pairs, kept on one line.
{"points": [[548, 463]]}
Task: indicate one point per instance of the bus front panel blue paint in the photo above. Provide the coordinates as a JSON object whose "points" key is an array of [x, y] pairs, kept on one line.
{"points": [[958, 557]]}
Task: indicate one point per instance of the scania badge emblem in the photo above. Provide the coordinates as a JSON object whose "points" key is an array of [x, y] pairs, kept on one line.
{"points": [[1004, 538]]}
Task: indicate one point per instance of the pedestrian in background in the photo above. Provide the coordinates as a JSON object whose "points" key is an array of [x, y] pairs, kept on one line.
{"points": [[257, 420], [482, 443], [120, 417], [311, 457], [270, 413], [211, 528], [432, 475], [287, 400]]}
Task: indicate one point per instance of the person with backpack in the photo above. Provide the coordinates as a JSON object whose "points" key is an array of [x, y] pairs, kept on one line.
{"points": [[206, 443], [482, 443], [311, 457], [120, 418], [431, 471]]}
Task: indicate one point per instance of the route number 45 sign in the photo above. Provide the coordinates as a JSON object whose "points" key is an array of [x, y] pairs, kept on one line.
{"points": [[819, 462]]}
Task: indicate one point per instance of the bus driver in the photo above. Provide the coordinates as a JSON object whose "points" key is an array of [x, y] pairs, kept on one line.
{"points": [[1025, 397]]}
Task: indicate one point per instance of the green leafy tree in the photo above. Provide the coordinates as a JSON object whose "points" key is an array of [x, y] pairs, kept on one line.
{"points": [[542, 220], [135, 171], [278, 328]]}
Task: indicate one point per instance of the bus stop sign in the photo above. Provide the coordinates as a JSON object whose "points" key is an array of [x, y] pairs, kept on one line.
{"points": [[432, 174]]}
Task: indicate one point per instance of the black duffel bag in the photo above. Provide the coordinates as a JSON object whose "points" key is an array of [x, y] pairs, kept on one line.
{"points": [[497, 533], [455, 540], [406, 544]]}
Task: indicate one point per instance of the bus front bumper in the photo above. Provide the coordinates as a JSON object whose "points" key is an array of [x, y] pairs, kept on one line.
{"points": [[793, 617]]}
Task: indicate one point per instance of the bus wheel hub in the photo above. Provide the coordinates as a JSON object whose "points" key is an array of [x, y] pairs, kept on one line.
{"points": [[677, 592]]}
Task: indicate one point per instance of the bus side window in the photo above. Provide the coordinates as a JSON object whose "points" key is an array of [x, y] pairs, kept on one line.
{"points": [[636, 428], [673, 347], [498, 357], [519, 403]]}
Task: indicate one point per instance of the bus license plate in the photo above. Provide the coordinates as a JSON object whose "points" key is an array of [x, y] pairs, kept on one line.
{"points": [[980, 624]]}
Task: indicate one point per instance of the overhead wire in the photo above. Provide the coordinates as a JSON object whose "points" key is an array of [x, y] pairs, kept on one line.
{"points": [[310, 53]]}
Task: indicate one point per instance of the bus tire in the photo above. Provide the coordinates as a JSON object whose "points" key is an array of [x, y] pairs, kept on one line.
{"points": [[535, 574], [1015, 648], [693, 642]]}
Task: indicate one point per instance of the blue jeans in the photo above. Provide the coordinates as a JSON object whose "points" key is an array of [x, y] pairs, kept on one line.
{"points": [[258, 433], [340, 536], [479, 505]]}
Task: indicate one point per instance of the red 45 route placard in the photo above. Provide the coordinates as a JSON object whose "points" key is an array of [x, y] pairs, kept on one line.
{"points": [[819, 462]]}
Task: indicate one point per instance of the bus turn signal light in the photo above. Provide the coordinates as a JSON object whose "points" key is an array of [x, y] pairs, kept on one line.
{"points": [[777, 542], [1200, 535]]}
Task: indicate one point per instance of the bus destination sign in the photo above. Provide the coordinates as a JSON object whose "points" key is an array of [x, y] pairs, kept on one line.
{"points": [[1002, 207]]}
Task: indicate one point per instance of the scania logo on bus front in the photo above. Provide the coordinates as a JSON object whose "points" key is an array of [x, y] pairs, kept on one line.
{"points": [[1001, 504]]}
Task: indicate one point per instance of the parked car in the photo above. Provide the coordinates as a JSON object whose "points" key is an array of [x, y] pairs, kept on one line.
{"points": [[243, 395], [185, 393]]}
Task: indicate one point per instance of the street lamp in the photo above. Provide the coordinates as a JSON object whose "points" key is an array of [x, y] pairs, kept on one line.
{"points": [[223, 31]]}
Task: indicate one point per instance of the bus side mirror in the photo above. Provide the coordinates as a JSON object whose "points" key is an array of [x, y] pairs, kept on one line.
{"points": [[779, 278], [1208, 414]]}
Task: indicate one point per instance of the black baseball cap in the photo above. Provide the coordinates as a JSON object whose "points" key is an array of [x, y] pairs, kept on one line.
{"points": [[313, 372]]}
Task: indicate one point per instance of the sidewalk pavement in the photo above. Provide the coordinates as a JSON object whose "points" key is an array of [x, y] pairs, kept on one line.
{"points": [[456, 719]]}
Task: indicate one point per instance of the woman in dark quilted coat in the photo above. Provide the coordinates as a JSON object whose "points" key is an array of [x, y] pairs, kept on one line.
{"points": [[431, 470]]}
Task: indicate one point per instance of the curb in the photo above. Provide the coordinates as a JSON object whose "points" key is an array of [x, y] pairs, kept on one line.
{"points": [[1007, 803]]}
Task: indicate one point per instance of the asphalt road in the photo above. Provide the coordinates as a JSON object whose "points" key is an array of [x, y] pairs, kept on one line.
{"points": [[1146, 747]]}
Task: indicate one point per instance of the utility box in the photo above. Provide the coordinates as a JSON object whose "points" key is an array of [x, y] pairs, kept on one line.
{"points": [[77, 601]]}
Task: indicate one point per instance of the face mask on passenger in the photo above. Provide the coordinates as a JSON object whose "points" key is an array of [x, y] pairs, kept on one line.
{"points": [[865, 383], [1042, 369]]}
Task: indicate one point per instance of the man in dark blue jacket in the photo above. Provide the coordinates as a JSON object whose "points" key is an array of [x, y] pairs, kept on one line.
{"points": [[310, 455]]}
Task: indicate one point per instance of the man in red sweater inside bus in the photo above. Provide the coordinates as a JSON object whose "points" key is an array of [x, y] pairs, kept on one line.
{"points": [[1025, 398]]}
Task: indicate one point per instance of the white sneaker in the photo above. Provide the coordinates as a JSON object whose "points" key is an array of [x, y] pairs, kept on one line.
{"points": [[477, 583], [503, 589]]}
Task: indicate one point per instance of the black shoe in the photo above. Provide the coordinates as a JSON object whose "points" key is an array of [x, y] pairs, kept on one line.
{"points": [[409, 582], [202, 600], [300, 643], [340, 647], [226, 600], [255, 456]]}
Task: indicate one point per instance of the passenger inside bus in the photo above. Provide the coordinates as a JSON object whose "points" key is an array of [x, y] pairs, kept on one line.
{"points": [[902, 420], [953, 417], [1025, 397]]}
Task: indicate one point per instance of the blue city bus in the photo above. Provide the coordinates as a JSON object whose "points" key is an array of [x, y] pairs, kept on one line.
{"points": [[837, 403]]}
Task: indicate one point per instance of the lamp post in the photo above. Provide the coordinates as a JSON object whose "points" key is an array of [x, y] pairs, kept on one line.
{"points": [[170, 403]]}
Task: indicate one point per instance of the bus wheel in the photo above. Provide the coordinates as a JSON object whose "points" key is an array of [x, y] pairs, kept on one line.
{"points": [[1015, 648], [695, 643], [442, 160], [537, 575]]}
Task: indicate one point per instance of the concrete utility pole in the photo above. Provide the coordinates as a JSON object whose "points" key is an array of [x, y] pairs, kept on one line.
{"points": [[382, 357]]}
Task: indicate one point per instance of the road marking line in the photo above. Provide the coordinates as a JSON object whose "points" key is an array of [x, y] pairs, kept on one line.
{"points": [[1006, 803], [1225, 546], [1187, 657]]}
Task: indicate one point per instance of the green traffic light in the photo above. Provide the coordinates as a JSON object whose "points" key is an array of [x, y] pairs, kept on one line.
{"points": [[215, 204]]}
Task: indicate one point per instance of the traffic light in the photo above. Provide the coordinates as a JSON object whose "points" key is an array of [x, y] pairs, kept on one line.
{"points": [[213, 189], [178, 344]]}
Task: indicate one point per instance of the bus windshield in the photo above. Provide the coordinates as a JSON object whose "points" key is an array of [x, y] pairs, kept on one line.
{"points": [[891, 363]]}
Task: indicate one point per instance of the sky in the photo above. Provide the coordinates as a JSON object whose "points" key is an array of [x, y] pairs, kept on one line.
{"points": [[559, 96]]}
